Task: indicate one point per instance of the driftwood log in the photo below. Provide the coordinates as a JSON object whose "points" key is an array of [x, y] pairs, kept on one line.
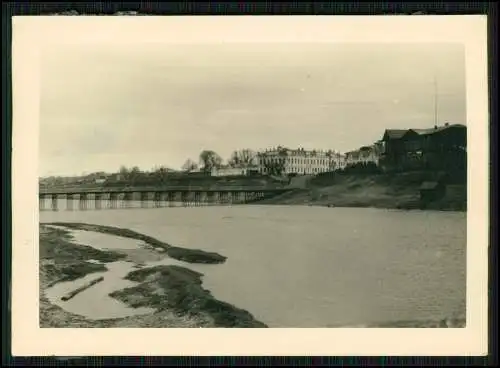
{"points": [[71, 294]]}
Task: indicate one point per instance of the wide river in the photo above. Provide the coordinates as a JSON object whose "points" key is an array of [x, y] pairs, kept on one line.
{"points": [[300, 266]]}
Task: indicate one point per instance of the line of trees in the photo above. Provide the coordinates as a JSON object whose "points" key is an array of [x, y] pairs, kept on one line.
{"points": [[209, 160]]}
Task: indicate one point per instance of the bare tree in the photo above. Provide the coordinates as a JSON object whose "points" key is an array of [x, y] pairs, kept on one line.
{"points": [[274, 165], [189, 165], [244, 157], [210, 160], [124, 172]]}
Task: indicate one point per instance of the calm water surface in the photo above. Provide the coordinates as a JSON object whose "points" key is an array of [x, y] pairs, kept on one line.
{"points": [[298, 266]]}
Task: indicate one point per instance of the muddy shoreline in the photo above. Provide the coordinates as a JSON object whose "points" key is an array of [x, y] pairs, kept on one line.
{"points": [[184, 302], [180, 254]]}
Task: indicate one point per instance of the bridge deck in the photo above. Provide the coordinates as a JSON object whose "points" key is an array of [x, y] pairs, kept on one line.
{"points": [[73, 191]]}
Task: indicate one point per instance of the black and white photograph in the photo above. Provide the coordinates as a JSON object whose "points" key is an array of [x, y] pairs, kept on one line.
{"points": [[264, 184]]}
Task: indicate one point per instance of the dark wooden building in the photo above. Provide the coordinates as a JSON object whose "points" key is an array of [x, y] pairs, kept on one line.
{"points": [[443, 147]]}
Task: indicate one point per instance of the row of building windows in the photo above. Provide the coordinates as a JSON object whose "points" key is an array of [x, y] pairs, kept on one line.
{"points": [[298, 161], [301, 170]]}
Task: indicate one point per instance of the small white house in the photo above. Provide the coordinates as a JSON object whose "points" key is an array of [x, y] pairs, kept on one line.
{"points": [[229, 171]]}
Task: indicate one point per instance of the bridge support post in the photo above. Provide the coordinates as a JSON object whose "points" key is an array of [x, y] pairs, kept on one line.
{"points": [[107, 200], [197, 199], [41, 202], [54, 202], [69, 202], [82, 202], [126, 200], [204, 199], [157, 199], [163, 199], [171, 196], [113, 200], [184, 199], [144, 199], [97, 201], [210, 198]]}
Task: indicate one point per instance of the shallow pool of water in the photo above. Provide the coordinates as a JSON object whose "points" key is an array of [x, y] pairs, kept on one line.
{"points": [[100, 240]]}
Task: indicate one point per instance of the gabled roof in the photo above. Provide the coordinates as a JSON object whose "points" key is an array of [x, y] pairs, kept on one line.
{"points": [[394, 133], [436, 129]]}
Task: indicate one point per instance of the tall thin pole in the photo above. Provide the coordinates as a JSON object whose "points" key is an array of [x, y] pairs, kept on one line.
{"points": [[435, 101]]}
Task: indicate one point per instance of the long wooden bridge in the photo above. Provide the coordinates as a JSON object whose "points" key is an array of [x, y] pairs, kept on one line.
{"points": [[100, 198]]}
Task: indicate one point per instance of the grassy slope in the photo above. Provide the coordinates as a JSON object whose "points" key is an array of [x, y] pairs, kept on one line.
{"points": [[380, 191], [204, 182]]}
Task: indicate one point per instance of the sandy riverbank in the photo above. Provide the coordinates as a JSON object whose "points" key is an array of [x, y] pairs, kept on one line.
{"points": [[175, 293]]}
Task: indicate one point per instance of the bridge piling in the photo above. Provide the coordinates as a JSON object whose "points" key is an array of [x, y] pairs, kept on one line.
{"points": [[144, 198], [113, 200], [203, 199], [153, 197], [157, 199], [170, 199], [126, 200], [210, 198], [54, 202], [187, 201], [69, 202], [82, 202], [97, 201], [163, 199]]}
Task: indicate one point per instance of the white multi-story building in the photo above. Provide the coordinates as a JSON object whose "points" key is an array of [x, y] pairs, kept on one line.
{"points": [[299, 161]]}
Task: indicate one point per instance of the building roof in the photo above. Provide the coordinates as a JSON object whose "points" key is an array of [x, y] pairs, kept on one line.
{"points": [[394, 133], [437, 129], [400, 133]]}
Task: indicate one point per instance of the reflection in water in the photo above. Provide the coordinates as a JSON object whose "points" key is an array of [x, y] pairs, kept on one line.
{"points": [[300, 266]]}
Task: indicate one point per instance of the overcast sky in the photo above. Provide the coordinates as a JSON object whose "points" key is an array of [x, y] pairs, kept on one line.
{"points": [[103, 106]]}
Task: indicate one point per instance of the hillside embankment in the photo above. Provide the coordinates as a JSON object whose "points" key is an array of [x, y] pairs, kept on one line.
{"points": [[202, 181], [392, 191]]}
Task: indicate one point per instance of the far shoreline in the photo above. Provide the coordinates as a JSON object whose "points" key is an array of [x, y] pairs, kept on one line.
{"points": [[398, 191]]}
